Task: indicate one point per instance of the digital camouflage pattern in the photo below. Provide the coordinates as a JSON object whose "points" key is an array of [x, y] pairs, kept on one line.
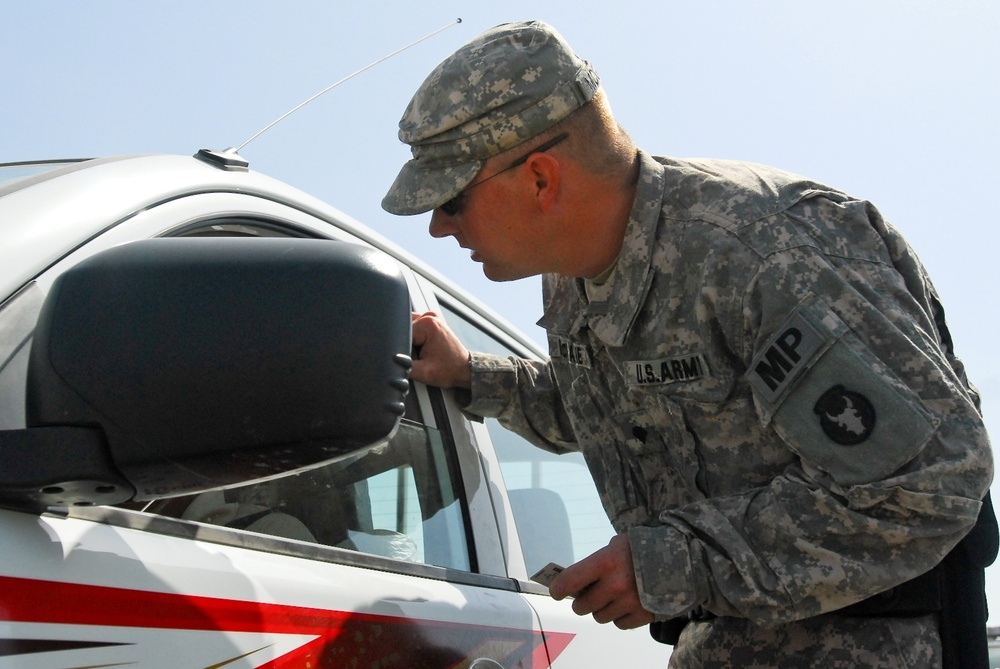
{"points": [[821, 643], [765, 395], [504, 87]]}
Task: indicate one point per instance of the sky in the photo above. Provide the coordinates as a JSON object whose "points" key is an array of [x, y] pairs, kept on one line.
{"points": [[893, 101]]}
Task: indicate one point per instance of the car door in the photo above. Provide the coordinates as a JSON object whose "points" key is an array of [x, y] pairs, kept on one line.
{"points": [[550, 509], [378, 560]]}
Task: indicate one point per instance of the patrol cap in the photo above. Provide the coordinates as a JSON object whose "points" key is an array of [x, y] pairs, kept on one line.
{"points": [[502, 88]]}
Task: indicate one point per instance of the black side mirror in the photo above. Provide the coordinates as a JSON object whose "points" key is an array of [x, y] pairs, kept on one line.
{"points": [[171, 366]]}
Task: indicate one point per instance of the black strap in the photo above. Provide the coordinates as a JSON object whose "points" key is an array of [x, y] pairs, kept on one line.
{"points": [[668, 631], [964, 610]]}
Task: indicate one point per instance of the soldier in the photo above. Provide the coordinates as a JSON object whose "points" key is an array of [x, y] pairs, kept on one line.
{"points": [[754, 365]]}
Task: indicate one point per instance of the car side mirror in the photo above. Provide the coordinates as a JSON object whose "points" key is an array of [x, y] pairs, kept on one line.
{"points": [[173, 366]]}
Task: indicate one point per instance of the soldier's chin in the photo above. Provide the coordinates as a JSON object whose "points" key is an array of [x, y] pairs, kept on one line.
{"points": [[494, 273]]}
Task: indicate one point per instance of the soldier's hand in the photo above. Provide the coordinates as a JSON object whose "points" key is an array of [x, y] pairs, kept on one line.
{"points": [[603, 584], [442, 361]]}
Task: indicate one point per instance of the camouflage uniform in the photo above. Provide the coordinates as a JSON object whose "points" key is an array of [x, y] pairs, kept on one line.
{"points": [[764, 393], [763, 389]]}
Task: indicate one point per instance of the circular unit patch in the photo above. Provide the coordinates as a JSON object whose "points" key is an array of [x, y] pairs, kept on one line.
{"points": [[847, 417]]}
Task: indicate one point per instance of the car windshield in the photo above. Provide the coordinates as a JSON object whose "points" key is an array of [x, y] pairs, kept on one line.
{"points": [[14, 172]]}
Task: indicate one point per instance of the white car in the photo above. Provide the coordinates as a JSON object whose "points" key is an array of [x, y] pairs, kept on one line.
{"points": [[212, 456]]}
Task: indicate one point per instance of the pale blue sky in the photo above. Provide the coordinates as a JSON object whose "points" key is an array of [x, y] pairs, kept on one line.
{"points": [[895, 101]]}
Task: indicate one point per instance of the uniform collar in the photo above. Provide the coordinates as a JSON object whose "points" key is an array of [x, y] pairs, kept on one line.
{"points": [[567, 309]]}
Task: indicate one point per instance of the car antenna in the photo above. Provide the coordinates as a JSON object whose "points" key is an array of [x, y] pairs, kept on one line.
{"points": [[231, 159]]}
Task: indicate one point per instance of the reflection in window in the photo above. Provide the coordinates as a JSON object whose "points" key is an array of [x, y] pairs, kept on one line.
{"points": [[555, 504], [395, 500]]}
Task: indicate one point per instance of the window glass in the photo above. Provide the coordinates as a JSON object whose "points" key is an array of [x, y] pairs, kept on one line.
{"points": [[14, 172], [396, 500], [555, 504]]}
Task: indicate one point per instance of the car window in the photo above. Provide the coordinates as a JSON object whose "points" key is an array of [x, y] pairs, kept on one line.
{"points": [[556, 507], [11, 173], [397, 499]]}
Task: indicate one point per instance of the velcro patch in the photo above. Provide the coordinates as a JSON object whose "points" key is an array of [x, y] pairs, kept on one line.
{"points": [[664, 371], [787, 354], [567, 349]]}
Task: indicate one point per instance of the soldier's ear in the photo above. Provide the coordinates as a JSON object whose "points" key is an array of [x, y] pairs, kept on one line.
{"points": [[546, 173]]}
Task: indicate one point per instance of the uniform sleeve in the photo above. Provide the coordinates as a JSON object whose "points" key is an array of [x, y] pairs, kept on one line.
{"points": [[849, 366], [523, 396]]}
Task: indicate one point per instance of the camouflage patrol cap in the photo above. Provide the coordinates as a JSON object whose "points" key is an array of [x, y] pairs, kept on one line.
{"points": [[504, 87]]}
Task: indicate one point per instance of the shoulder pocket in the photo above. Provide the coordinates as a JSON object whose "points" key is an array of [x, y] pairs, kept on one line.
{"points": [[833, 402]]}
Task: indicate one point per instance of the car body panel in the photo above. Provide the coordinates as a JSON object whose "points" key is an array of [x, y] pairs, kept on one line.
{"points": [[270, 605], [105, 586]]}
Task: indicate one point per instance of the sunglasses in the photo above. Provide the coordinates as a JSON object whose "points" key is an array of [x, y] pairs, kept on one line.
{"points": [[453, 206]]}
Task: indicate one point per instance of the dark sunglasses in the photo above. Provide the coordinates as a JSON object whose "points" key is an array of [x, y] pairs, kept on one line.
{"points": [[453, 206]]}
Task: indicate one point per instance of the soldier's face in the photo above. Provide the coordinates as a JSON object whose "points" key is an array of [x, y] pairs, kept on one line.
{"points": [[493, 222]]}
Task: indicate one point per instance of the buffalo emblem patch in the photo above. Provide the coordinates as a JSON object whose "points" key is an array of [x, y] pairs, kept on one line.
{"points": [[847, 417]]}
